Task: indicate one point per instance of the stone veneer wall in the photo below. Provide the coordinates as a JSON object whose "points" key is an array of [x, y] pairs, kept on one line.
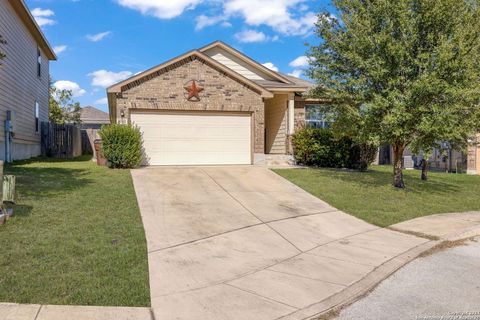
{"points": [[299, 114], [165, 91]]}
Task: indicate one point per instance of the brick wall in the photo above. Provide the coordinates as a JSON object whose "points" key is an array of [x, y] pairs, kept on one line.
{"points": [[299, 114], [222, 93]]}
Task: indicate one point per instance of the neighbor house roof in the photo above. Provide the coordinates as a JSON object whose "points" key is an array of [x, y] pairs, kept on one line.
{"points": [[91, 115], [21, 9]]}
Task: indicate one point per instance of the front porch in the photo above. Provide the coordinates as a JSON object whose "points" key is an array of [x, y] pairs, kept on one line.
{"points": [[284, 114], [277, 125]]}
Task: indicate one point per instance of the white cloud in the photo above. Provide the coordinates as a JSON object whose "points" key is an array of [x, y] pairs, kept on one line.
{"points": [[297, 73], [102, 101], [43, 16], [300, 62], [163, 9], [104, 78], [77, 91], [278, 14], [226, 24], [270, 66], [99, 36], [248, 36], [203, 21], [287, 17], [59, 49]]}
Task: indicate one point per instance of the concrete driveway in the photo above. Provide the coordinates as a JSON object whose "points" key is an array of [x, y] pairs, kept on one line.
{"points": [[243, 243]]}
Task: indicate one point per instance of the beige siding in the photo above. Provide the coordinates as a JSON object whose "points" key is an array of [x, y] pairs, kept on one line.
{"points": [[276, 124], [19, 85], [236, 64]]}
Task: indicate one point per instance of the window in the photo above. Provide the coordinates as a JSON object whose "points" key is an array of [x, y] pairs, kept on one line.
{"points": [[316, 117], [37, 117], [39, 63]]}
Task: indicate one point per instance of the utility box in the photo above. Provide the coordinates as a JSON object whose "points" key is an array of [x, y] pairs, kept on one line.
{"points": [[408, 163], [10, 124]]}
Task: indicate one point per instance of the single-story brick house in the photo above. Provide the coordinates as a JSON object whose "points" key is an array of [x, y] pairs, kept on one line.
{"points": [[213, 105]]}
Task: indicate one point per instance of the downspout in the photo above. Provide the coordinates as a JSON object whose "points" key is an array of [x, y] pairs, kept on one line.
{"points": [[8, 136]]}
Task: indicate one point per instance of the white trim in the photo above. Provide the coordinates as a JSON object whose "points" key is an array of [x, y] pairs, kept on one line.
{"points": [[291, 116]]}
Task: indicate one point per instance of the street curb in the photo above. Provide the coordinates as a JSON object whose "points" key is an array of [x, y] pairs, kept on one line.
{"points": [[362, 287]]}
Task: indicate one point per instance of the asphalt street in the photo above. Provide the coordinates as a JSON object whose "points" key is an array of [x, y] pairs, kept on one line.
{"points": [[445, 285]]}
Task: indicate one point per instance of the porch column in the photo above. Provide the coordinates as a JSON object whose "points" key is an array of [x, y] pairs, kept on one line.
{"points": [[291, 114]]}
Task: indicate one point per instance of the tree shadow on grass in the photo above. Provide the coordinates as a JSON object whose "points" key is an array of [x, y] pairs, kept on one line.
{"points": [[21, 211], [48, 160], [381, 179], [37, 182]]}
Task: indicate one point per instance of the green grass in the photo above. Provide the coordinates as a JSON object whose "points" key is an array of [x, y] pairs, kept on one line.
{"points": [[76, 237], [371, 197]]}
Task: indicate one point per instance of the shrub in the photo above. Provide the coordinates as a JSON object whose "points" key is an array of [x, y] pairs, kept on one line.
{"points": [[318, 147], [122, 145]]}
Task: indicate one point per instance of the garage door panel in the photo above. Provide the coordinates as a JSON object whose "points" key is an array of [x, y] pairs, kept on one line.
{"points": [[203, 132], [195, 139], [200, 146], [197, 158]]}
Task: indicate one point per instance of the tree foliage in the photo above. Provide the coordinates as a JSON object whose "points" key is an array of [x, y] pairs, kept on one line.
{"points": [[62, 108], [404, 72]]}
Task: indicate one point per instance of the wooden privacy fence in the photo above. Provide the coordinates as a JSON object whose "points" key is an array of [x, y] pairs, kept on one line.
{"points": [[61, 140]]}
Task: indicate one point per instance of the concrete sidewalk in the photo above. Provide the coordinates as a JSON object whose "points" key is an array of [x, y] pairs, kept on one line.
{"points": [[12, 311]]}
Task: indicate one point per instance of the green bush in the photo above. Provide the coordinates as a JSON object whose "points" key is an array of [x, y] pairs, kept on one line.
{"points": [[318, 147], [122, 145]]}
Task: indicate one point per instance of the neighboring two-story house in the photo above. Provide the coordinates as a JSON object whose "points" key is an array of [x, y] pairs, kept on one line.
{"points": [[24, 79]]}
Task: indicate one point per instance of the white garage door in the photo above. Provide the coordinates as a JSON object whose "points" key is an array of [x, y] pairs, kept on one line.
{"points": [[195, 138]]}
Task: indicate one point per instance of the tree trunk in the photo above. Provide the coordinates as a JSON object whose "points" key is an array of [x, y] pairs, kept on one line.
{"points": [[424, 170], [397, 166]]}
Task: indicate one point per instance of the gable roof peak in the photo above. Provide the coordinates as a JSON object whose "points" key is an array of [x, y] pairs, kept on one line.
{"points": [[254, 64]]}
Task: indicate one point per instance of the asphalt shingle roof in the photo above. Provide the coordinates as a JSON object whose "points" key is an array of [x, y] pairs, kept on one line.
{"points": [[93, 115]]}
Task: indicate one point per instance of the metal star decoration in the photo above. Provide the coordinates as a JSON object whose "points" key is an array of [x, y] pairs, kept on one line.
{"points": [[193, 91]]}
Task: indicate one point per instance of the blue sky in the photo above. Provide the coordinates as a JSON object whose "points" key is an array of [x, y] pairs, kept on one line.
{"points": [[100, 42]]}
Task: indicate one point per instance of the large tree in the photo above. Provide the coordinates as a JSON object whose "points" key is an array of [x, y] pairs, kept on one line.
{"points": [[62, 108], [404, 72]]}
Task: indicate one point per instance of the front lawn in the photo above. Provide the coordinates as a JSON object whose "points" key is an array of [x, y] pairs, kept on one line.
{"points": [[76, 237], [371, 197]]}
